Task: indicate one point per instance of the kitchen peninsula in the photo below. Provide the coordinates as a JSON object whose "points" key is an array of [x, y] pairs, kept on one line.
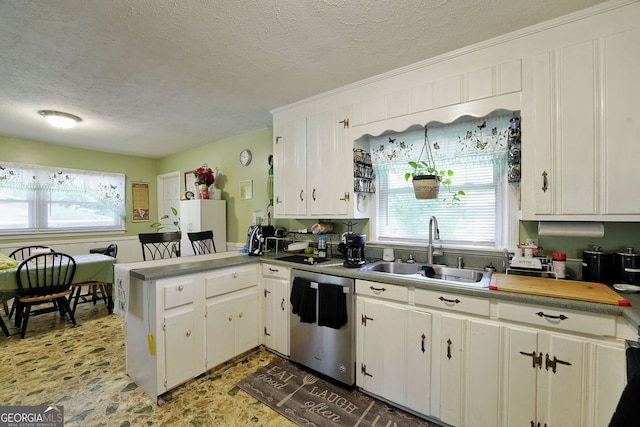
{"points": [[490, 330]]}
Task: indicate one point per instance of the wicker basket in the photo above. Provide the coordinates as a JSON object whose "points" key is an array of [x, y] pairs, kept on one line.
{"points": [[426, 186]]}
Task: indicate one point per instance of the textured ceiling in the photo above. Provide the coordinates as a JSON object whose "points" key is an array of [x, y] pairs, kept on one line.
{"points": [[154, 77]]}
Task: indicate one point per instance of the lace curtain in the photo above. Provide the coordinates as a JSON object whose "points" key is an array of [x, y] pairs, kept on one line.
{"points": [[104, 187]]}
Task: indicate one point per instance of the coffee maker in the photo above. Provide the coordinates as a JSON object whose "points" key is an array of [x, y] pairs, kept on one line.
{"points": [[353, 249]]}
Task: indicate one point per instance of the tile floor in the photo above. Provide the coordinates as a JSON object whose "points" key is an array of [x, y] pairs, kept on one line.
{"points": [[83, 369]]}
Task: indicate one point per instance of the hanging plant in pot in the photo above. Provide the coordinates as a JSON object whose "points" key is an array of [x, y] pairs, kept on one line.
{"points": [[426, 178]]}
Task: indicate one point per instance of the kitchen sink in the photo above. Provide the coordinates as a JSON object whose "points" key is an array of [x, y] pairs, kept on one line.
{"points": [[433, 273]]}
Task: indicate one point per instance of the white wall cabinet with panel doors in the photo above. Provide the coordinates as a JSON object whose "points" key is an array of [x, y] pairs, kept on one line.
{"points": [[276, 292], [313, 164], [290, 168], [232, 316], [165, 333], [329, 164], [583, 120]]}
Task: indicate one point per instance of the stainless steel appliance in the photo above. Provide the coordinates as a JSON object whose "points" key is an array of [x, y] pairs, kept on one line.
{"points": [[318, 337]]}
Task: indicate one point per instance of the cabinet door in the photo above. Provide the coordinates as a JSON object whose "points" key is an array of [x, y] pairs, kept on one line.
{"points": [[220, 331], [451, 369], [622, 122], [609, 370], [290, 169], [276, 309], [482, 381], [521, 372], [382, 361], [419, 348], [329, 163], [246, 321], [182, 361], [561, 394]]}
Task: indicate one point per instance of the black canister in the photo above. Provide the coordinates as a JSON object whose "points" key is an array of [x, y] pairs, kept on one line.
{"points": [[627, 267], [597, 266]]}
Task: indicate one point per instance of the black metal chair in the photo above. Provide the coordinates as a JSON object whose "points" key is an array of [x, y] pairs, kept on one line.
{"points": [[44, 278], [21, 254], [160, 245], [202, 242], [96, 291]]}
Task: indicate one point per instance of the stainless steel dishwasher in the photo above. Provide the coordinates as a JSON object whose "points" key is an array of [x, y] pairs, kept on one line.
{"points": [[329, 350]]}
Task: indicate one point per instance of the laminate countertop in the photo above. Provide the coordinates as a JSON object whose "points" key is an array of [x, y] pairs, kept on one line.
{"points": [[195, 264]]}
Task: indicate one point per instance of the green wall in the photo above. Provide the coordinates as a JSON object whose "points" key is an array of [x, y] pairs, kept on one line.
{"points": [[134, 168], [617, 237], [223, 155]]}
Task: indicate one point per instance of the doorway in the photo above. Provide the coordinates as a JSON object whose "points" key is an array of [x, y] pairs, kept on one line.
{"points": [[168, 197]]}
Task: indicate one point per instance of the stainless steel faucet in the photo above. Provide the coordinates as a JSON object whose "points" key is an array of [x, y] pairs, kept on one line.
{"points": [[433, 233]]}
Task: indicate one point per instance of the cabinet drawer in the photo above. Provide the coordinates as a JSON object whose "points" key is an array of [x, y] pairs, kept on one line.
{"points": [[277, 271], [559, 318], [382, 290], [230, 279], [179, 293], [453, 302]]}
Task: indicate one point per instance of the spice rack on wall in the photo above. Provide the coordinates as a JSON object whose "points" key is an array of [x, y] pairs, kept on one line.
{"points": [[363, 176]]}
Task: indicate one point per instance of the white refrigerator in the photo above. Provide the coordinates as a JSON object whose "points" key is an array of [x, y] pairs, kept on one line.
{"points": [[203, 215]]}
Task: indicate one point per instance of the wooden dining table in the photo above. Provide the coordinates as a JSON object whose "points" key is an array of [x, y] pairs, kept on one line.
{"points": [[89, 268]]}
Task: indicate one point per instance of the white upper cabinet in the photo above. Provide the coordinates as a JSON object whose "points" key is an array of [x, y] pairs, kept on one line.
{"points": [[581, 120], [313, 164], [289, 168]]}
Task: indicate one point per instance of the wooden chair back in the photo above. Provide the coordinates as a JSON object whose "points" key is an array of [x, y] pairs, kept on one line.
{"points": [[45, 274], [26, 251]]}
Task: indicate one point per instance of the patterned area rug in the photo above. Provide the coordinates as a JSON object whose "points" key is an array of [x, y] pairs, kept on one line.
{"points": [[309, 400]]}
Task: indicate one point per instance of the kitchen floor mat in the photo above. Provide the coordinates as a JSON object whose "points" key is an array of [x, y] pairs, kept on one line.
{"points": [[308, 399]]}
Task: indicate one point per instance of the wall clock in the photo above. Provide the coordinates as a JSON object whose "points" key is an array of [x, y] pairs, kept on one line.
{"points": [[245, 157]]}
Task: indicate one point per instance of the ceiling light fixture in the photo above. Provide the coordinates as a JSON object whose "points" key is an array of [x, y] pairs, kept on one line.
{"points": [[60, 119]]}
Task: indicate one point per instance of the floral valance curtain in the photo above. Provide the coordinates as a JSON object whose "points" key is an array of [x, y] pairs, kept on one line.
{"points": [[464, 142], [107, 188]]}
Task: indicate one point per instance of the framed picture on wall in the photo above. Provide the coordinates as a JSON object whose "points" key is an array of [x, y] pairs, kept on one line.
{"points": [[140, 201], [246, 190], [189, 179]]}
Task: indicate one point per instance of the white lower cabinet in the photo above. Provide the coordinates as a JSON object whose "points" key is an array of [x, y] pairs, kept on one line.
{"points": [[231, 325], [276, 292], [231, 312], [545, 379], [177, 328], [504, 368], [393, 356]]}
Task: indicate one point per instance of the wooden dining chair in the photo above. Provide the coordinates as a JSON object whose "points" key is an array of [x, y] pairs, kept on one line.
{"points": [[44, 278], [3, 326], [19, 255], [160, 245], [202, 242], [94, 291]]}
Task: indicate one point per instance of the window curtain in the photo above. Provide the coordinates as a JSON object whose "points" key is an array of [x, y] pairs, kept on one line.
{"points": [[476, 149], [104, 187]]}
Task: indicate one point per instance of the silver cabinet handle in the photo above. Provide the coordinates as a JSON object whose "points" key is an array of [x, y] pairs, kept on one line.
{"points": [[181, 287]]}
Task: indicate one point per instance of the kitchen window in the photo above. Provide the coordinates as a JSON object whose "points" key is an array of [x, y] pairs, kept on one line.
{"points": [[476, 149], [38, 199]]}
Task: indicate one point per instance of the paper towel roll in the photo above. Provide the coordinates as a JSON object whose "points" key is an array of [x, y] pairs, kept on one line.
{"points": [[571, 229]]}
